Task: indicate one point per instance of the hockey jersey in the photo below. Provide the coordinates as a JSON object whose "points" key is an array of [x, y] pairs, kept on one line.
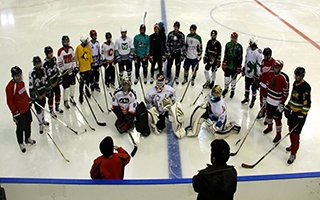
{"points": [[213, 53], [253, 62], [233, 55], [300, 100], [155, 98], [157, 45], [84, 58], [176, 42], [277, 88], [266, 66], [218, 110], [193, 46], [52, 71], [123, 48], [38, 83], [17, 98], [141, 45], [107, 52], [127, 102], [66, 60], [95, 49]]}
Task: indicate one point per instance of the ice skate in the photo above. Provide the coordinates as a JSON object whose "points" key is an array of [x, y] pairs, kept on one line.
{"points": [[30, 141], [22, 148], [291, 159]]}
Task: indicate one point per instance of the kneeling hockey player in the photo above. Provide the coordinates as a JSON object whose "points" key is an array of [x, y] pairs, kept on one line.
{"points": [[215, 116]]}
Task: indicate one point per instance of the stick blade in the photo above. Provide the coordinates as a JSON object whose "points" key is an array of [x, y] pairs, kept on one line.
{"points": [[244, 165], [233, 154], [134, 151], [101, 123], [238, 141]]}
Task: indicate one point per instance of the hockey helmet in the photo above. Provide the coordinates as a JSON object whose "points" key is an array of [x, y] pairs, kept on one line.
{"points": [[36, 60], [15, 71], [193, 27], [220, 151], [142, 27], [160, 82], [123, 29], [93, 33], [267, 52], [65, 38], [300, 71], [216, 93], [108, 35], [126, 85], [47, 50], [176, 24], [253, 40], [234, 35], [213, 32], [278, 64], [84, 39]]}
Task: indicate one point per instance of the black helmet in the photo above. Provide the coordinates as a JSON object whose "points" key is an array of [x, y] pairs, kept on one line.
{"points": [[214, 31], [108, 35], [176, 24], [142, 26], [300, 71], [193, 27], [36, 60], [65, 38], [267, 51], [48, 50], [15, 71]]}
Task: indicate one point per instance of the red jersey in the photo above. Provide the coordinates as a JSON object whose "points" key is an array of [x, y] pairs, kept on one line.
{"points": [[17, 98], [266, 66], [111, 167], [277, 88]]}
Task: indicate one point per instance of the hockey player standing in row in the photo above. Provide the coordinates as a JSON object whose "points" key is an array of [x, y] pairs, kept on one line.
{"points": [[157, 50], [212, 59], [251, 71], [124, 103], [193, 51], [266, 65], [67, 65], [141, 43], [18, 103], [83, 61], [231, 65], [54, 79], [107, 57], [124, 53], [297, 110], [175, 43], [95, 65], [38, 89], [277, 94]]}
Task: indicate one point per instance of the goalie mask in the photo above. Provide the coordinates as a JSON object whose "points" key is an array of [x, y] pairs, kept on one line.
{"points": [[216, 93], [160, 83], [126, 85]]}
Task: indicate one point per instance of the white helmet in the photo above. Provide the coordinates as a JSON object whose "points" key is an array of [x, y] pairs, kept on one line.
{"points": [[84, 39], [253, 40], [123, 29]]}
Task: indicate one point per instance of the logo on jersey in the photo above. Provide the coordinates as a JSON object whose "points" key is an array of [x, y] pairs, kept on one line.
{"points": [[124, 100], [124, 46]]}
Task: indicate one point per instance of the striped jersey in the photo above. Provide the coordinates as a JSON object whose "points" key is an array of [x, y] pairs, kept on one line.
{"points": [[277, 88], [300, 100]]}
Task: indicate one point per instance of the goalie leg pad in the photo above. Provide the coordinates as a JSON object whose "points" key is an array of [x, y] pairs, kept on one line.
{"points": [[142, 122], [153, 118], [122, 126], [177, 120]]}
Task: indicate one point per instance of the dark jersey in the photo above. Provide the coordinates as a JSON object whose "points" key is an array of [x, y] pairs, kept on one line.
{"points": [[233, 55], [157, 45], [52, 70], [37, 82], [213, 53], [176, 42], [300, 100]]}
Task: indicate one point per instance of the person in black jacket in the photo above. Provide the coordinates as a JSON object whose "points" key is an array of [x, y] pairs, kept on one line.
{"points": [[219, 180]]}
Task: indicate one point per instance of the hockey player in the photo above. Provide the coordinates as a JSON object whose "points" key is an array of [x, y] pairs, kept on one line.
{"points": [[251, 71], [141, 45], [215, 116], [18, 103], [266, 65], [54, 80], [212, 59], [176, 43], [83, 62], [68, 70], [193, 51], [232, 64], [38, 89], [297, 110], [124, 103], [157, 50], [95, 65], [277, 94], [124, 53], [161, 104], [107, 57]]}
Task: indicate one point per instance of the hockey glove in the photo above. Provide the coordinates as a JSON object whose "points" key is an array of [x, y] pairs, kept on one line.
{"points": [[163, 59], [218, 125], [151, 59], [199, 58], [168, 55], [16, 117], [181, 58], [75, 70], [287, 111], [205, 60], [280, 108], [264, 102]]}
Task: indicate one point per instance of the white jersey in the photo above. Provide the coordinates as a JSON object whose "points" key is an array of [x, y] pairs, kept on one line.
{"points": [[193, 46], [218, 110], [253, 62], [123, 47], [66, 60], [155, 98], [95, 49], [107, 51], [127, 103]]}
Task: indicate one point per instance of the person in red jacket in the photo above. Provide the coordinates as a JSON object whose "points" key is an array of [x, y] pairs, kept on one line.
{"points": [[18, 102], [109, 165]]}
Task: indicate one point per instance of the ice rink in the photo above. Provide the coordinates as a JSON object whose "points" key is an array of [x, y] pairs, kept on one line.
{"points": [[290, 29]]}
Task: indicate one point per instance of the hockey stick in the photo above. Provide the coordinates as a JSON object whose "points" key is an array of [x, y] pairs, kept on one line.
{"points": [[94, 98], [59, 120], [185, 91], [247, 166], [245, 137], [67, 160], [135, 148], [85, 118], [94, 116], [194, 111], [144, 17], [104, 92], [195, 101]]}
